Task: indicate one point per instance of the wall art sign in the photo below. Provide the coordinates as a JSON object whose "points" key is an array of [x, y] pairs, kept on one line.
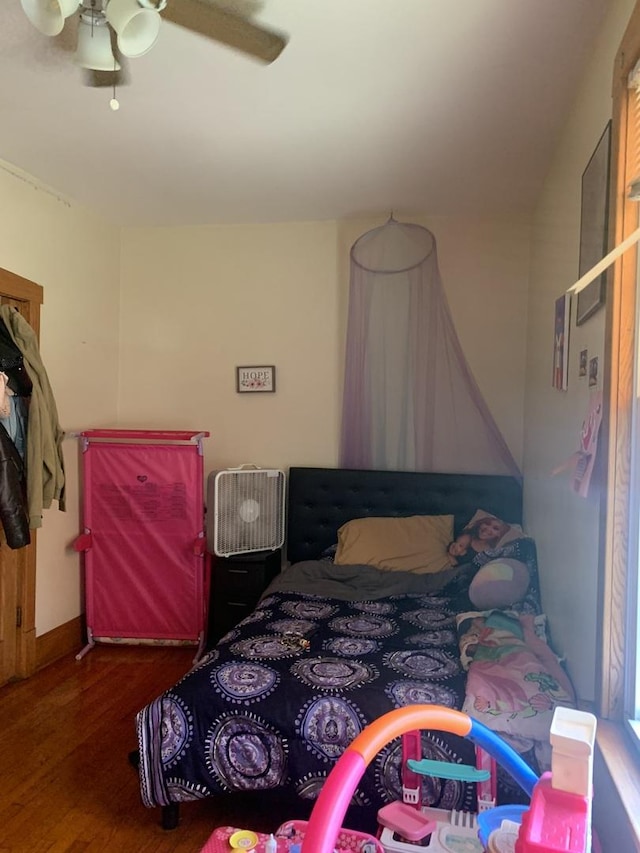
{"points": [[255, 378], [594, 222]]}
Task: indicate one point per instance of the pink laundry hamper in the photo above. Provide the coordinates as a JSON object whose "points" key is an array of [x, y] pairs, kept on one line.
{"points": [[146, 569]]}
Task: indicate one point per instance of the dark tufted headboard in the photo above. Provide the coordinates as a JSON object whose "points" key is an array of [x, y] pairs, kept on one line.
{"points": [[320, 500]]}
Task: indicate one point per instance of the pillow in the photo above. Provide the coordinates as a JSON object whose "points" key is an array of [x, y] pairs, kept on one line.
{"points": [[499, 583], [414, 544], [504, 531]]}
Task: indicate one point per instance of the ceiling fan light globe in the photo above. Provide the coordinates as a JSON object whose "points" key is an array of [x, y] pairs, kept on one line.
{"points": [[94, 48], [49, 16], [137, 28]]}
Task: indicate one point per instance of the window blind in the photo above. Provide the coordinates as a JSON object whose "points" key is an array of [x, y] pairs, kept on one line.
{"points": [[633, 133]]}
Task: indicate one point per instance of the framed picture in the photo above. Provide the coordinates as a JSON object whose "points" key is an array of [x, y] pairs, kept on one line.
{"points": [[594, 220], [582, 365], [561, 343], [593, 372], [255, 378]]}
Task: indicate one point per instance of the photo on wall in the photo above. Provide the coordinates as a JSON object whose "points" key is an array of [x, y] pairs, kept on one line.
{"points": [[582, 363], [561, 343]]}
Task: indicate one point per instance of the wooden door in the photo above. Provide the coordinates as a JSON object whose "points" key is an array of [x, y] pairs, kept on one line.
{"points": [[18, 568]]}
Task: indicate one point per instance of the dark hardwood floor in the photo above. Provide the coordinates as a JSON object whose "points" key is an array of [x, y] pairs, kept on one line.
{"points": [[65, 780]]}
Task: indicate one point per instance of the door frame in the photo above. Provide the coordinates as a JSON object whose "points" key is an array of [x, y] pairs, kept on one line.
{"points": [[19, 635]]}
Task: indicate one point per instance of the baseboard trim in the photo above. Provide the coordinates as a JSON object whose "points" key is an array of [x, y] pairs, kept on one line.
{"points": [[59, 642]]}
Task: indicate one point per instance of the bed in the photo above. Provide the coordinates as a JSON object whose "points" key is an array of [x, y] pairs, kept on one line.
{"points": [[333, 645]]}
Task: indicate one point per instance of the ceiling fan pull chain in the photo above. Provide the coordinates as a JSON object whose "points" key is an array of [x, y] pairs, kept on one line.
{"points": [[114, 103]]}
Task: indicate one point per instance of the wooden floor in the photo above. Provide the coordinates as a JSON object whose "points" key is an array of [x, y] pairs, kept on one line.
{"points": [[65, 780]]}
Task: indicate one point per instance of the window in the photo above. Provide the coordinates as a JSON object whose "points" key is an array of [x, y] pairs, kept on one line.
{"points": [[632, 669], [618, 802], [619, 677], [631, 677]]}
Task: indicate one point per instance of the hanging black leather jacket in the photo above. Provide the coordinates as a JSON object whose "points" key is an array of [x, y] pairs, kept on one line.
{"points": [[13, 499]]}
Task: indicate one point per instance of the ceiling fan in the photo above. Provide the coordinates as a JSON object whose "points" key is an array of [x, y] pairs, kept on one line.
{"points": [[111, 31]]}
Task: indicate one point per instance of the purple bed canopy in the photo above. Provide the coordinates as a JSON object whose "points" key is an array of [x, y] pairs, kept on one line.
{"points": [[410, 399]]}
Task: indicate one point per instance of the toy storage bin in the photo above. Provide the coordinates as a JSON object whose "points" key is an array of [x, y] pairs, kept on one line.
{"points": [[146, 570]]}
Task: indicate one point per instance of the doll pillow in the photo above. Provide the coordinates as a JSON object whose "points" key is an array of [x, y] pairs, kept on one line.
{"points": [[499, 584], [508, 532]]}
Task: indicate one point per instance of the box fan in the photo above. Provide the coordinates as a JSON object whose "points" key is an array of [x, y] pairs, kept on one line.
{"points": [[245, 510]]}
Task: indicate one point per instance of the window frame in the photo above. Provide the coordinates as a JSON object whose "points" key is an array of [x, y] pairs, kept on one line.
{"points": [[631, 690], [617, 582]]}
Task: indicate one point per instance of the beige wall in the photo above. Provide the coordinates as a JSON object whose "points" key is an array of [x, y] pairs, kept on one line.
{"points": [[196, 302], [75, 257], [566, 526]]}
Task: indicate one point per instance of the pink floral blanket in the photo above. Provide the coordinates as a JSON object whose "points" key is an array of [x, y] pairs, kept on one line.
{"points": [[514, 680]]}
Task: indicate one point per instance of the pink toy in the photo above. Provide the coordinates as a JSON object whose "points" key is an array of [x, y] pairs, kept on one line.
{"points": [[407, 821], [568, 802], [559, 818], [219, 841], [411, 781], [290, 833], [403, 824], [555, 823]]}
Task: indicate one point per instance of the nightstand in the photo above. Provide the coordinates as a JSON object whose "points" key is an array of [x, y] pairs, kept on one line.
{"points": [[236, 586]]}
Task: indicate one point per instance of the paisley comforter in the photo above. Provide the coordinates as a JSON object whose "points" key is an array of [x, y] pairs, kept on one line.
{"points": [[276, 702]]}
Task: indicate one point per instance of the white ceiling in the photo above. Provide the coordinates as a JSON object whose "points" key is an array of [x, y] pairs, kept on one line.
{"points": [[444, 106]]}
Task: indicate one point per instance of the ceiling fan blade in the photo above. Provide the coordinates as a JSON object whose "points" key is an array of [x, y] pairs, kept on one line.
{"points": [[223, 26]]}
